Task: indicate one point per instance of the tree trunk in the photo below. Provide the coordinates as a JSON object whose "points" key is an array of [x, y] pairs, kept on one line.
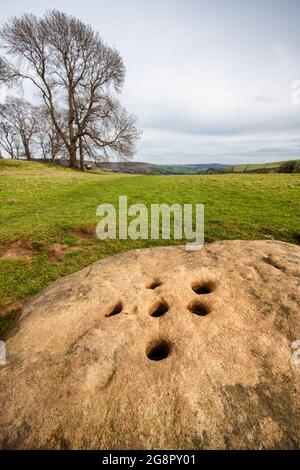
{"points": [[73, 141], [72, 155], [81, 154], [27, 151], [52, 151]]}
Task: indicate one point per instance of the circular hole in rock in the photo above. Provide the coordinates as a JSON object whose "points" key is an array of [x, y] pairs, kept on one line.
{"points": [[158, 351], [115, 310], [159, 309], [153, 284], [199, 308], [204, 287]]}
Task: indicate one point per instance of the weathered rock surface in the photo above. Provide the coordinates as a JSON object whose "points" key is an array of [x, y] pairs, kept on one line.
{"points": [[125, 354]]}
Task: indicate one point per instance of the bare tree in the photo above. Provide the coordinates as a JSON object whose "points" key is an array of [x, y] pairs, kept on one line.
{"points": [[2, 71], [9, 140], [69, 63], [110, 131], [6, 73], [47, 137], [21, 116], [3, 80]]}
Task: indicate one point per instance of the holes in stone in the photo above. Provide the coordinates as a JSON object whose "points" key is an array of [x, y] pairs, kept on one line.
{"points": [[154, 284], [158, 351], [115, 310], [159, 309], [199, 308], [205, 287]]}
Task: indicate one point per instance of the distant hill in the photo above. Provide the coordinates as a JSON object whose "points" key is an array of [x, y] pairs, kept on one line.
{"points": [[288, 166], [291, 166], [156, 169]]}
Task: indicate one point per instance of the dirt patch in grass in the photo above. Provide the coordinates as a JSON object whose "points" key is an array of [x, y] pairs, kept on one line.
{"points": [[58, 251], [84, 233], [20, 249], [12, 201]]}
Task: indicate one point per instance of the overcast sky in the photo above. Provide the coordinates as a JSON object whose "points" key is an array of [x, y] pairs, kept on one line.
{"points": [[209, 80]]}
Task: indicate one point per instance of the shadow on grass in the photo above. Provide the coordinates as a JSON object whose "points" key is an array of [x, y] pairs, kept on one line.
{"points": [[7, 322]]}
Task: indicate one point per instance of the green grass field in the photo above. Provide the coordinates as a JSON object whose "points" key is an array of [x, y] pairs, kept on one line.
{"points": [[48, 218]]}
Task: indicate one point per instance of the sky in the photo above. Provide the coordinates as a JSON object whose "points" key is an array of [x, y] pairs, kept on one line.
{"points": [[210, 81]]}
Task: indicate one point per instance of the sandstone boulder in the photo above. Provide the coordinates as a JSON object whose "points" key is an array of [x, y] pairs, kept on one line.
{"points": [[160, 349]]}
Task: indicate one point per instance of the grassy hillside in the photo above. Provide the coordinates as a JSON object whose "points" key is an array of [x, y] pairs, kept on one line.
{"points": [[259, 166], [48, 218]]}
